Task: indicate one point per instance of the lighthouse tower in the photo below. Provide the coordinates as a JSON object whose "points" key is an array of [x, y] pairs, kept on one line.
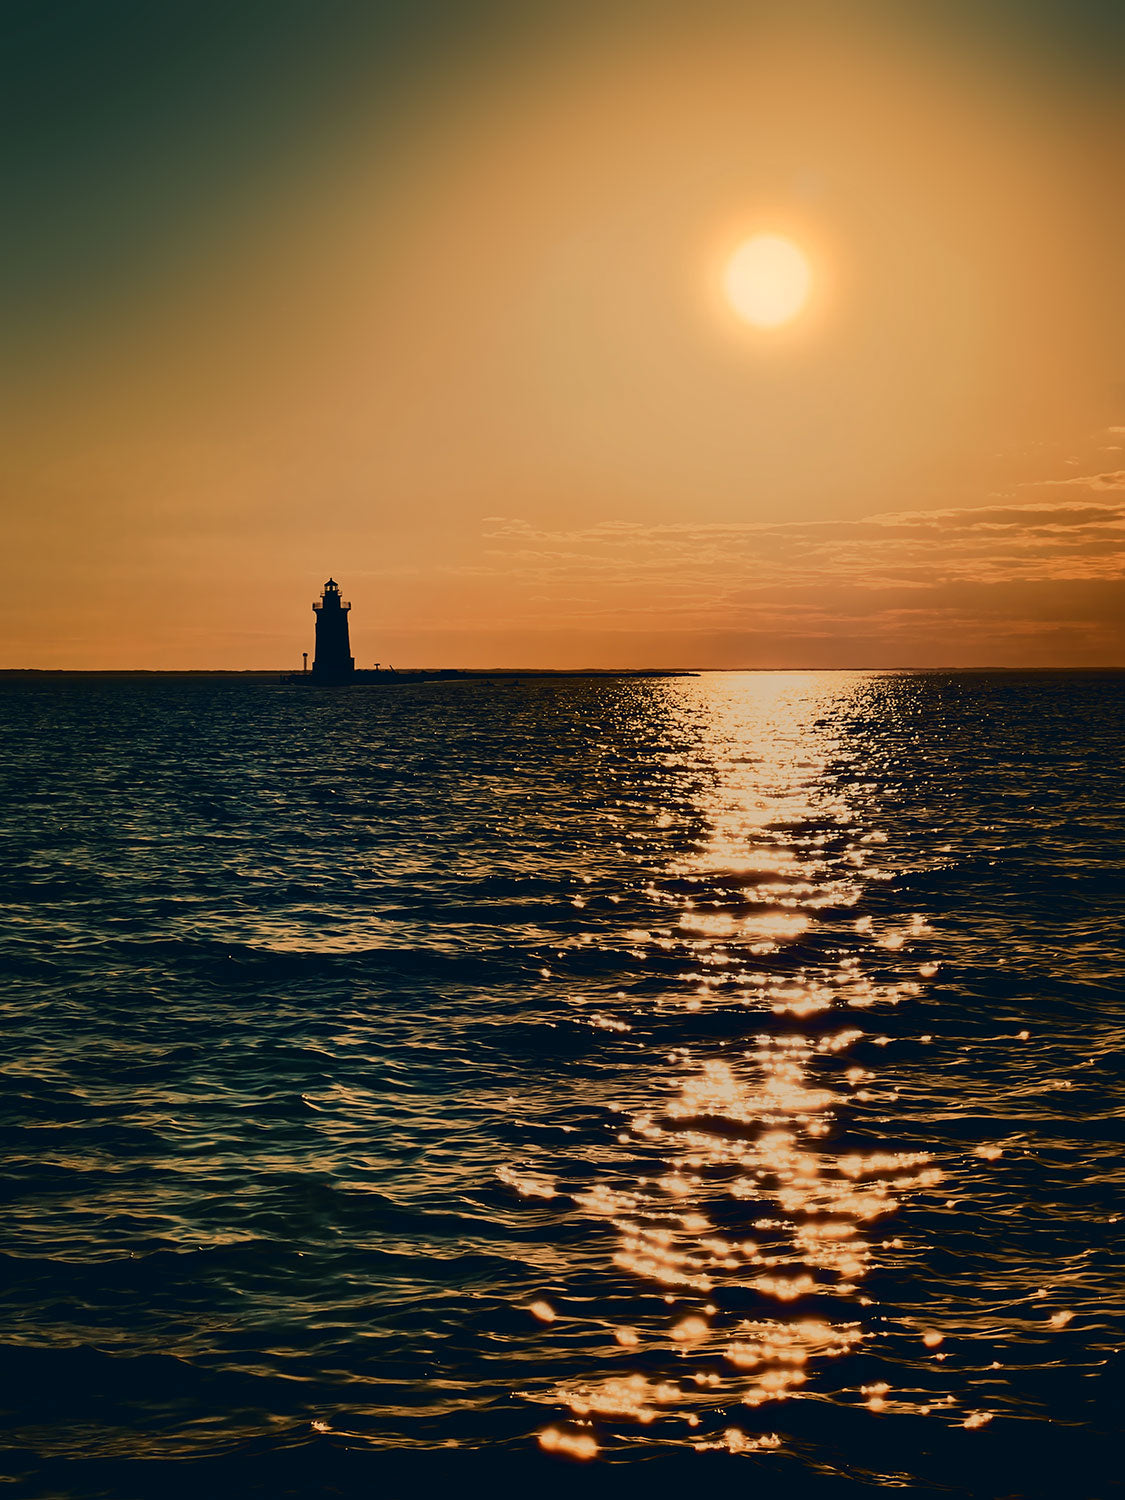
{"points": [[333, 659]]}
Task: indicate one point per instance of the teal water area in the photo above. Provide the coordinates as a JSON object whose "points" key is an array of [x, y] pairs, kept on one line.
{"points": [[578, 1082]]}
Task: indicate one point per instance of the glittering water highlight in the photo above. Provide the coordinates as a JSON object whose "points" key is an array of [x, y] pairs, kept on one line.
{"points": [[580, 1072]]}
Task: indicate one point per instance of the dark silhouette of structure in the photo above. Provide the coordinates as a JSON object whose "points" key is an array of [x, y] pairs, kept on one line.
{"points": [[333, 664], [333, 661]]}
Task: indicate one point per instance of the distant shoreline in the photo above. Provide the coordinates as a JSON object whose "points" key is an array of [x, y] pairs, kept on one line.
{"points": [[477, 674], [408, 674]]}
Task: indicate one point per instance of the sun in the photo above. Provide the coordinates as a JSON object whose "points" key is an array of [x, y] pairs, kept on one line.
{"points": [[767, 280]]}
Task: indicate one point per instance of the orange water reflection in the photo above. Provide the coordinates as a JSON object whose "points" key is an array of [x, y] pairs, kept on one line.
{"points": [[757, 1227]]}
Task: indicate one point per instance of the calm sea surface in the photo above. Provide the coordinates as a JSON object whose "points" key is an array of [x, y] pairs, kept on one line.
{"points": [[720, 1078]]}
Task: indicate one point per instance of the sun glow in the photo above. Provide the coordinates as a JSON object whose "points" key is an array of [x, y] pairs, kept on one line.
{"points": [[767, 280]]}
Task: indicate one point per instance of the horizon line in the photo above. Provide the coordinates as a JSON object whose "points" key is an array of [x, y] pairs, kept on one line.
{"points": [[476, 672]]}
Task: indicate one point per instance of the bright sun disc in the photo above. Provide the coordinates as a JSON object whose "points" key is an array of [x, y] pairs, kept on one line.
{"points": [[767, 280]]}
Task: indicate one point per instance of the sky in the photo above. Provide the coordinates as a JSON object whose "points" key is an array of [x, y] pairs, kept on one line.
{"points": [[430, 298]]}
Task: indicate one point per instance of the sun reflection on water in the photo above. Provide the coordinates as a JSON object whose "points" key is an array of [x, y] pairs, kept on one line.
{"points": [[754, 1225]]}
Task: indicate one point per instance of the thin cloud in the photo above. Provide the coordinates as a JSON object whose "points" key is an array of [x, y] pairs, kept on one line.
{"points": [[892, 571], [1062, 527], [1111, 481]]}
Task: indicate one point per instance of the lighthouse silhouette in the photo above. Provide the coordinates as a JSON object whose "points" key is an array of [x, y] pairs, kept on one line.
{"points": [[333, 660]]}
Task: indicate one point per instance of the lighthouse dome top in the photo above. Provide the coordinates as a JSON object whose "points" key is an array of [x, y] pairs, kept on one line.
{"points": [[330, 598]]}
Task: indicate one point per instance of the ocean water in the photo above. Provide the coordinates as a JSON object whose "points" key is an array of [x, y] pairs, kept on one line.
{"points": [[593, 1082]]}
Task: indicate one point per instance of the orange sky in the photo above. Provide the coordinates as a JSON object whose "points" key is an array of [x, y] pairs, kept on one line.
{"points": [[461, 343]]}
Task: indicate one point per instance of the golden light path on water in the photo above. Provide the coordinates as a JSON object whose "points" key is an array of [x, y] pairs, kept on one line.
{"points": [[756, 1312]]}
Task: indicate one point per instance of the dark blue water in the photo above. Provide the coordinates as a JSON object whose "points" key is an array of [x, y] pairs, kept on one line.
{"points": [[718, 1077]]}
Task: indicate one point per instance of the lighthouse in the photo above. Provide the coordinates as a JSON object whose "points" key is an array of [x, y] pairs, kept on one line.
{"points": [[333, 660]]}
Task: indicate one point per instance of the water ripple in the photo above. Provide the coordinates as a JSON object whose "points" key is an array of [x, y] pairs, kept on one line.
{"points": [[720, 1070]]}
